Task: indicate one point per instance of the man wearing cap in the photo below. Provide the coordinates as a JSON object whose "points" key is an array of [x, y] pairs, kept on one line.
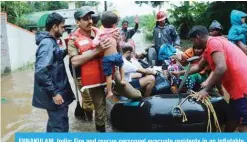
{"points": [[84, 21], [164, 33]]}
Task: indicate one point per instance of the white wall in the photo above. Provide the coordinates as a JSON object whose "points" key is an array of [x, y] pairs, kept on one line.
{"points": [[5, 60], [22, 46]]}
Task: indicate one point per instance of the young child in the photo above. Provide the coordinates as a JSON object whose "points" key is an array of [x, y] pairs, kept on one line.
{"points": [[238, 31], [111, 57], [175, 81]]}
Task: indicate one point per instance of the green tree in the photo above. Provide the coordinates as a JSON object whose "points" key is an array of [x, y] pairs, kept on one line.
{"points": [[79, 4], [201, 13], [54, 5], [220, 11], [15, 10], [38, 6], [185, 16], [152, 3]]}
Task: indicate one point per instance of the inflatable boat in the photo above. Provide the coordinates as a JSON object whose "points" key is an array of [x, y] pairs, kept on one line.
{"points": [[156, 113]]}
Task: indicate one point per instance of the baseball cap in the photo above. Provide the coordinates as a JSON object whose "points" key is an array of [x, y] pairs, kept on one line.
{"points": [[83, 11]]}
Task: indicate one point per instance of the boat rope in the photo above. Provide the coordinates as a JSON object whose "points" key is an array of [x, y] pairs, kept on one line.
{"points": [[210, 109]]}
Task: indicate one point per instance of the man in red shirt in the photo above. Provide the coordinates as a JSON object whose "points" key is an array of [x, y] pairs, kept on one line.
{"points": [[229, 66]]}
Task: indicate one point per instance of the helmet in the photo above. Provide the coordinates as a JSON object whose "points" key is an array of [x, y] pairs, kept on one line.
{"points": [[161, 16]]}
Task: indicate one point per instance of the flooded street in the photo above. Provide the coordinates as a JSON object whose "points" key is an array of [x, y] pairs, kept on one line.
{"points": [[18, 115]]}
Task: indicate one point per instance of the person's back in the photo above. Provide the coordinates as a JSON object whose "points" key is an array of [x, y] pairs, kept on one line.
{"points": [[238, 31], [108, 34], [109, 21], [235, 77]]}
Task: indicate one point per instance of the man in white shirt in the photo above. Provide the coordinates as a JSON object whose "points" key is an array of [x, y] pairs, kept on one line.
{"points": [[145, 80]]}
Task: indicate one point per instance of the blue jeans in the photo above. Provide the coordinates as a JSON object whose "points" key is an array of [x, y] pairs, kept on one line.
{"points": [[58, 120], [238, 110]]}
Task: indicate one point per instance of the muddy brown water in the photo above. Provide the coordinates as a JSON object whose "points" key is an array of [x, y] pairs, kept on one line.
{"points": [[18, 115]]}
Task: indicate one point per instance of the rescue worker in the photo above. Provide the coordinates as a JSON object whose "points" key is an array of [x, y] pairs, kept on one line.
{"points": [[84, 56], [164, 33]]}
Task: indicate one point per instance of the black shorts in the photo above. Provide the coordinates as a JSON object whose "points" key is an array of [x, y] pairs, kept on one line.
{"points": [[238, 110], [135, 83]]}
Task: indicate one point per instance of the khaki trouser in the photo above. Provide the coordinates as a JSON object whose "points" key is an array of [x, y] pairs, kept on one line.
{"points": [[99, 101], [87, 103], [97, 98]]}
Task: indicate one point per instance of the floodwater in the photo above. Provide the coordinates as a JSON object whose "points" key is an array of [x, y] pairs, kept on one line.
{"points": [[18, 115]]}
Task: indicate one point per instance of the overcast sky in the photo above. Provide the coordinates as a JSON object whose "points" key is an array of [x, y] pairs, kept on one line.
{"points": [[129, 8]]}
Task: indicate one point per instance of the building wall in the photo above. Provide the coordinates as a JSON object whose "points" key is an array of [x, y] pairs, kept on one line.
{"points": [[22, 46], [5, 59]]}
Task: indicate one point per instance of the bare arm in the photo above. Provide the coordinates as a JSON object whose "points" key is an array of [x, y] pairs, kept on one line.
{"points": [[194, 69], [220, 69], [145, 71], [242, 46], [204, 84]]}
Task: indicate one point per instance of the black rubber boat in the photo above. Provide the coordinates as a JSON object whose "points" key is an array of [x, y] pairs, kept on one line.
{"points": [[154, 114]]}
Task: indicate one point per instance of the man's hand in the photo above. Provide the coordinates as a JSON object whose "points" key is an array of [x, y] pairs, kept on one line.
{"points": [[58, 99], [105, 43], [136, 19], [150, 72], [202, 95], [116, 35], [204, 84]]}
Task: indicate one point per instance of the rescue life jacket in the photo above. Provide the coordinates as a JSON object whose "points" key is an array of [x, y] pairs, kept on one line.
{"points": [[92, 74]]}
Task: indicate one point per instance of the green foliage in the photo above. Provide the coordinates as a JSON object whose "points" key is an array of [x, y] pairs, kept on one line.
{"points": [[220, 11], [152, 3], [198, 13], [79, 4], [186, 15], [54, 5], [146, 23], [38, 6], [15, 10]]}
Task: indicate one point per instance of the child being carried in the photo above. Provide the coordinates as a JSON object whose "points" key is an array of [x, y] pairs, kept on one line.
{"points": [[111, 57]]}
